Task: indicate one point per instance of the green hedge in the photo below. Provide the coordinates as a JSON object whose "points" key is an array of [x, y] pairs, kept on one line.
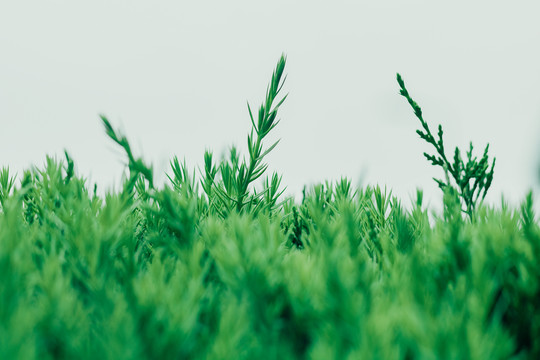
{"points": [[214, 269]]}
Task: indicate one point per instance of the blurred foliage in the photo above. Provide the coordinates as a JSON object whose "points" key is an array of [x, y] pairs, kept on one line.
{"points": [[148, 273], [216, 270]]}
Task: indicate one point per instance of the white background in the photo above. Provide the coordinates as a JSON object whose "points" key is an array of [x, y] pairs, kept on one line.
{"points": [[175, 77]]}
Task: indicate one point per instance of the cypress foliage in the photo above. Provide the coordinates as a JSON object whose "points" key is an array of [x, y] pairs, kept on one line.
{"points": [[213, 268]]}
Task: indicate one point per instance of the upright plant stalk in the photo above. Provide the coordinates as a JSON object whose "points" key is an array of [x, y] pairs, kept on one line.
{"points": [[7, 183], [136, 166], [472, 179], [237, 176], [267, 120]]}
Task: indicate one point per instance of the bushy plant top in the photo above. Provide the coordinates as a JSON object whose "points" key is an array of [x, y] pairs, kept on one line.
{"points": [[472, 179], [214, 268]]}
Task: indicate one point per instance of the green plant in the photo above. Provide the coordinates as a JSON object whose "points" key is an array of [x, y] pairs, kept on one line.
{"points": [[7, 183], [233, 191], [472, 179], [136, 166], [171, 272]]}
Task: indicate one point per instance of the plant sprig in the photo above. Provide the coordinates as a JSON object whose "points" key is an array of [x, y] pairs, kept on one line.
{"points": [[472, 179], [236, 176], [136, 166]]}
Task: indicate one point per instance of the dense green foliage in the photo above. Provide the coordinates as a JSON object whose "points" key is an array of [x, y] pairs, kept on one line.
{"points": [[215, 269]]}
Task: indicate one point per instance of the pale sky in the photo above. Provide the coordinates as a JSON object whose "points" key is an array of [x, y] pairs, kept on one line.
{"points": [[175, 77]]}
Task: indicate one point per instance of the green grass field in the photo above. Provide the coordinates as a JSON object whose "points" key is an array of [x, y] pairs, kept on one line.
{"points": [[220, 265]]}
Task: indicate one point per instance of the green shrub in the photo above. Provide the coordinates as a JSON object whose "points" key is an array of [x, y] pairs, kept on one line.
{"points": [[211, 268]]}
